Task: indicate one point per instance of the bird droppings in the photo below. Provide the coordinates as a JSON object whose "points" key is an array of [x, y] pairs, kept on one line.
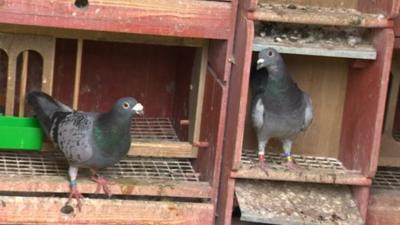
{"points": [[296, 203], [299, 35]]}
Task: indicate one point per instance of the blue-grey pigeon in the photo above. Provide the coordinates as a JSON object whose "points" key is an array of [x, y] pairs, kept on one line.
{"points": [[279, 108], [87, 139]]}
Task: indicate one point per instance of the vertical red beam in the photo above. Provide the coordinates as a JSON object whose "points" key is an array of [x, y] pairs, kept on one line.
{"points": [[364, 108], [236, 114]]}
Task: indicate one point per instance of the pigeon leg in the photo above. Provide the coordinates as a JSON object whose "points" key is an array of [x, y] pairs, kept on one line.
{"points": [[287, 148], [74, 193], [261, 154], [102, 183]]}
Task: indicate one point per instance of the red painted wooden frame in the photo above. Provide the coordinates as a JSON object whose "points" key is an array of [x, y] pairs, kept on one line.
{"points": [[362, 117], [203, 19]]}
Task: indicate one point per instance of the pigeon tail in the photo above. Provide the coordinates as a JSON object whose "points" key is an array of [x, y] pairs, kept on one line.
{"points": [[44, 107]]}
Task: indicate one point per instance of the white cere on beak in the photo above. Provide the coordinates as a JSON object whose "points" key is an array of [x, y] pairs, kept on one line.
{"points": [[138, 107], [260, 61]]}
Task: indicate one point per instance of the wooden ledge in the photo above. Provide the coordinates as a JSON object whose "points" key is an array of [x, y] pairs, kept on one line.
{"points": [[35, 210], [122, 186]]}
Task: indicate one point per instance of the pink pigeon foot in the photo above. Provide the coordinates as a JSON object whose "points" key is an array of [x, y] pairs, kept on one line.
{"points": [[74, 193], [102, 183]]}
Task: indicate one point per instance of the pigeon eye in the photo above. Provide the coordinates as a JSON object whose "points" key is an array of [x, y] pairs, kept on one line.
{"points": [[125, 105], [270, 53]]}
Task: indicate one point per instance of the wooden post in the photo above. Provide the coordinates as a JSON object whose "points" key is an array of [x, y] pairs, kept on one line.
{"points": [[78, 69], [197, 93], [24, 78]]}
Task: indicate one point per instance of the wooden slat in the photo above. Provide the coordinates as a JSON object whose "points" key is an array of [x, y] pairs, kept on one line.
{"points": [[317, 16], [101, 36], [120, 186], [163, 149], [46, 211], [24, 78], [78, 69], [382, 204], [167, 149], [204, 19], [197, 94], [350, 178], [360, 52]]}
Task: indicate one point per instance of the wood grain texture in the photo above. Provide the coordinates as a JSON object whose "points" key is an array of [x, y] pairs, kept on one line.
{"points": [[384, 207], [317, 16], [325, 80], [46, 211], [189, 18], [119, 186], [389, 8], [363, 113], [154, 149], [390, 148], [24, 78], [13, 45], [323, 3], [78, 70]]}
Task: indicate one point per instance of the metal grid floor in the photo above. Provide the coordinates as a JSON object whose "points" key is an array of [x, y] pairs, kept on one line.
{"points": [[387, 178], [153, 128], [276, 161], [54, 164]]}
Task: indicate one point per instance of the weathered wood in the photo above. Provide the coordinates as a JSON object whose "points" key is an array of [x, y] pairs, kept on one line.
{"points": [[46, 211], [163, 149], [196, 93], [295, 203], [317, 16], [325, 3], [390, 8], [119, 186], [23, 80], [78, 70], [168, 149], [102, 36], [360, 52], [363, 113], [312, 176], [390, 148], [13, 45], [384, 207], [204, 19]]}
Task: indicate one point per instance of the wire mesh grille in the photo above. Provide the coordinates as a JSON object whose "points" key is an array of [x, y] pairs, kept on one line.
{"points": [[387, 178], [276, 161], [54, 164], [153, 128]]}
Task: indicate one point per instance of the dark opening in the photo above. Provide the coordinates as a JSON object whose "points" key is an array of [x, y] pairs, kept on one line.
{"points": [[81, 3]]}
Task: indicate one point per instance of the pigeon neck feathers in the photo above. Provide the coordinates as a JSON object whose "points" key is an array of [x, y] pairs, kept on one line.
{"points": [[282, 94]]}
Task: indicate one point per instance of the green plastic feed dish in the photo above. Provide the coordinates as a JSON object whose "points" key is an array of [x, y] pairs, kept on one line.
{"points": [[20, 133]]}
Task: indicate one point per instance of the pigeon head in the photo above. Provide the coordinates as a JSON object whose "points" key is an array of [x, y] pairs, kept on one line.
{"points": [[128, 106], [268, 58]]}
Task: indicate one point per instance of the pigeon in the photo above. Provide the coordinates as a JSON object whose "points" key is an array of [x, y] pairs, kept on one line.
{"points": [[279, 108], [87, 139]]}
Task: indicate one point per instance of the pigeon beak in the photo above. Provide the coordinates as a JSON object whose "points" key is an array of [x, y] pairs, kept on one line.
{"points": [[260, 63], [138, 108]]}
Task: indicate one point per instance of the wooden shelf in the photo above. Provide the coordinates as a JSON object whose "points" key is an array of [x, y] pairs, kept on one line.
{"points": [[48, 172], [363, 51], [46, 210], [296, 203], [311, 169], [317, 15], [195, 19]]}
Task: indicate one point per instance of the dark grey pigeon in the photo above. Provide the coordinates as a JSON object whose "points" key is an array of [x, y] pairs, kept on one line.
{"points": [[87, 139], [279, 108]]}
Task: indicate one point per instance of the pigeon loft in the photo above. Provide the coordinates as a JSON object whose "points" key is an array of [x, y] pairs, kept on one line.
{"points": [[174, 57], [348, 88]]}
